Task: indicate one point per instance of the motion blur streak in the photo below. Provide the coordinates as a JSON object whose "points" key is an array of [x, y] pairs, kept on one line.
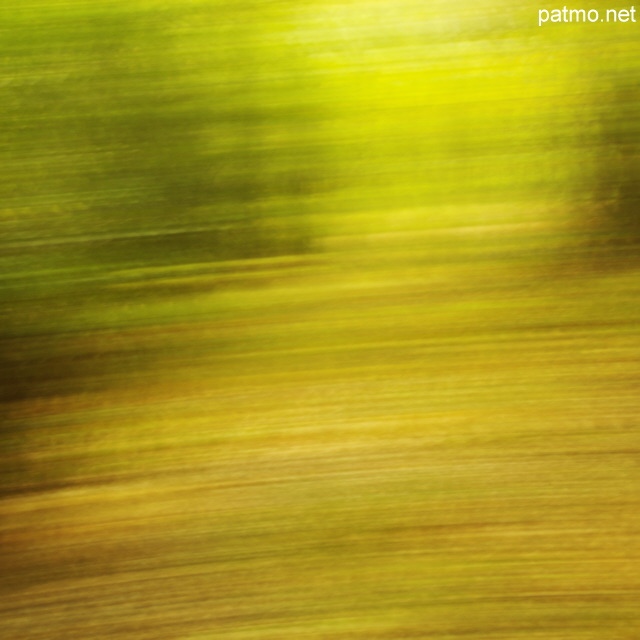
{"points": [[318, 320]]}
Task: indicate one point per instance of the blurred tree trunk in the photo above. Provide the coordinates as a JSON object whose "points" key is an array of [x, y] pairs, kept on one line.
{"points": [[617, 180]]}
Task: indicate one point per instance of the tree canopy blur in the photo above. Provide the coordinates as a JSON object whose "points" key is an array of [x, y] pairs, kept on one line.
{"points": [[147, 134]]}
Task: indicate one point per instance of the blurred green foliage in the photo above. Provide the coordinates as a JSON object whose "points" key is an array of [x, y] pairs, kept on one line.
{"points": [[140, 133], [305, 325], [148, 132], [143, 136]]}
